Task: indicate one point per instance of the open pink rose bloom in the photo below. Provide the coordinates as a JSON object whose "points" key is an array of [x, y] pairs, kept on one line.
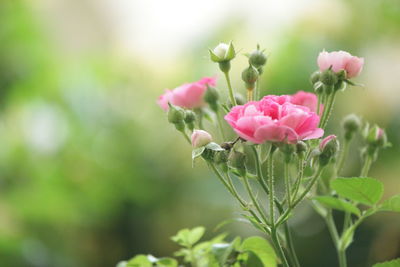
{"points": [[188, 95], [276, 119], [340, 60]]}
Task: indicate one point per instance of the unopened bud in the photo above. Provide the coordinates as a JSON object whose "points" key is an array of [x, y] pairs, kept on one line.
{"points": [[238, 161], [328, 77], [328, 147], [190, 118], [250, 76], [314, 78], [211, 97], [200, 138], [287, 151], [377, 137], [175, 114], [240, 100], [221, 157], [257, 58], [351, 124], [301, 148], [222, 52]]}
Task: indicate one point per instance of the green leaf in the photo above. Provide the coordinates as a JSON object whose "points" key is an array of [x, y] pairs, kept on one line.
{"points": [[391, 204], [197, 153], [338, 204], [262, 249], [364, 190], [253, 260], [139, 261], [187, 238], [195, 234], [392, 263], [214, 146], [166, 262], [230, 54]]}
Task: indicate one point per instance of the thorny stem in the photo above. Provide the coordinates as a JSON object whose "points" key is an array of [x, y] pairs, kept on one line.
{"points": [[367, 166], [217, 114]]}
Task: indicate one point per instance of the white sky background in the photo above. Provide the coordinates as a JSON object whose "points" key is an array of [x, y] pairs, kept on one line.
{"points": [[161, 28]]}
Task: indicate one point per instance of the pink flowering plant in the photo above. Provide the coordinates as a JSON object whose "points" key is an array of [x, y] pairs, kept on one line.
{"points": [[252, 135]]}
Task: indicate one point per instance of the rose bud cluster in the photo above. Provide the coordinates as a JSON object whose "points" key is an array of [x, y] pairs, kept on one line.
{"points": [[258, 59], [335, 70]]}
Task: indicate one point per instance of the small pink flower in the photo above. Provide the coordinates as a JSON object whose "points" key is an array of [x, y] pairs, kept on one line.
{"points": [[326, 140], [275, 119], [340, 60], [200, 138], [189, 95]]}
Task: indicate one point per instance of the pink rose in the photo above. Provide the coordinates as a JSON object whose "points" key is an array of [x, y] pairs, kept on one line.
{"points": [[340, 60], [200, 138], [188, 95], [309, 100], [275, 119]]}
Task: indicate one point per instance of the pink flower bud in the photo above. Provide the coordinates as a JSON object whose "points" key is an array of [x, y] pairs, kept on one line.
{"points": [[325, 141], [340, 60], [200, 138]]}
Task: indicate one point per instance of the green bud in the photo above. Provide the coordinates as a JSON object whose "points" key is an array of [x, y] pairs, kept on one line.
{"points": [[238, 161], [211, 97], [340, 85], [240, 100], [175, 114], [314, 78], [301, 148], [221, 157], [287, 151], [327, 89], [250, 76], [341, 74], [208, 155], [351, 124], [190, 118], [224, 66], [257, 58], [328, 77], [377, 137]]}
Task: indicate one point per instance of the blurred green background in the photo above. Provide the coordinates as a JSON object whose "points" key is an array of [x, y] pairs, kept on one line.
{"points": [[90, 170]]}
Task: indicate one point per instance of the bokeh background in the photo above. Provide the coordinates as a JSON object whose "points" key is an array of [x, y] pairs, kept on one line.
{"points": [[90, 170]]}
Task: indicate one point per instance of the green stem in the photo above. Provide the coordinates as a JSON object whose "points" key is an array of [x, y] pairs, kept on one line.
{"points": [[331, 101], [278, 247], [367, 166], [300, 177], [186, 136], [229, 185], [287, 183], [254, 200], [342, 258], [342, 157], [289, 241], [270, 165], [230, 90], [309, 186], [219, 122]]}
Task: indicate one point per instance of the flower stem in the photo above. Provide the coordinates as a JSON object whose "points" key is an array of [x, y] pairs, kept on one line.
{"points": [[270, 165], [278, 247], [186, 136], [328, 111], [287, 183], [219, 122], [343, 155], [342, 258], [291, 250], [367, 166], [230, 90]]}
